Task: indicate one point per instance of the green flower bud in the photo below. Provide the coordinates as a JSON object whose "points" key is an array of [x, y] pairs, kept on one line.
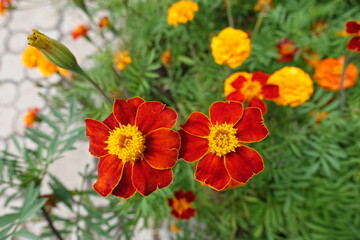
{"points": [[54, 51]]}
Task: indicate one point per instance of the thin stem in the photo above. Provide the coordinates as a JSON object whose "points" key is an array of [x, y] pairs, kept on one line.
{"points": [[51, 225], [342, 90], [229, 14], [258, 24]]}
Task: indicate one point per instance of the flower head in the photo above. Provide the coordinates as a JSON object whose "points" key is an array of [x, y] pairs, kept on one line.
{"points": [[219, 142], [4, 5], [250, 87], [181, 204], [231, 47], [328, 74], [80, 31], [122, 59], [166, 57], [104, 22], [295, 86], [319, 26], [136, 147], [353, 28], [311, 58], [31, 116], [45, 67], [286, 50], [264, 6], [182, 11]]}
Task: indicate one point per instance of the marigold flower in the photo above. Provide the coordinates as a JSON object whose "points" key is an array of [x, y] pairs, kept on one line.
{"points": [[295, 86], [231, 47], [320, 115], [31, 116], [181, 12], [252, 88], [328, 74], [218, 143], [4, 5], [30, 57], [175, 229], [263, 5], [122, 59], [181, 204], [286, 50], [104, 22], [353, 28], [80, 31], [136, 147], [46, 67], [319, 27], [166, 57], [311, 58]]}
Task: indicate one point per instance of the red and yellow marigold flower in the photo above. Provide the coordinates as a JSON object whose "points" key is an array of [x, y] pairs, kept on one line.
{"points": [[166, 57], [219, 142], [295, 86], [231, 47], [353, 28], [122, 59], [181, 204], [31, 117], [328, 74], [103, 22], [250, 87], [136, 146], [286, 50], [181, 12], [80, 31]]}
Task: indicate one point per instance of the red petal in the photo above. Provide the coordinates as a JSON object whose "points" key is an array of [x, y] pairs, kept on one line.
{"points": [[110, 170], [270, 91], [354, 44], [190, 196], [211, 171], [251, 127], [179, 194], [352, 27], [192, 148], [226, 112], [98, 133], [162, 148], [170, 202], [256, 102], [236, 96], [243, 163], [154, 115], [239, 82], [147, 179], [197, 124], [125, 111], [260, 77], [188, 213], [125, 188], [111, 122]]}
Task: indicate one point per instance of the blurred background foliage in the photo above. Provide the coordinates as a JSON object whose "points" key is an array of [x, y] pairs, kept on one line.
{"points": [[310, 188]]}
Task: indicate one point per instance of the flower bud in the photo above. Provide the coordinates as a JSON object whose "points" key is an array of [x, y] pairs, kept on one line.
{"points": [[54, 51]]}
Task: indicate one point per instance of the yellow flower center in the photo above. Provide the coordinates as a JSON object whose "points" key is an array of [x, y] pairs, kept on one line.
{"points": [[127, 142], [180, 205], [222, 139], [251, 89]]}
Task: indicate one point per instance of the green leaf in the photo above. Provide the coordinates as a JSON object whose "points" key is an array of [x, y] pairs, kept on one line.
{"points": [[8, 219], [26, 234], [60, 191]]}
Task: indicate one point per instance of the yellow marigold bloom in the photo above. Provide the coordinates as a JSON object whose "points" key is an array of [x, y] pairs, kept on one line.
{"points": [[30, 57], [231, 47], [46, 67], [295, 86], [181, 12], [122, 59], [166, 57]]}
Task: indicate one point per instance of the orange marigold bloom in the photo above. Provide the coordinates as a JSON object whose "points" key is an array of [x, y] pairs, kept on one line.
{"points": [[46, 67], [295, 86], [166, 57], [80, 31], [175, 229], [30, 57], [286, 50], [4, 5], [181, 12], [122, 59], [181, 204], [104, 22], [231, 47], [250, 87], [31, 116], [136, 146], [328, 74], [311, 58], [263, 5], [353, 28], [218, 143]]}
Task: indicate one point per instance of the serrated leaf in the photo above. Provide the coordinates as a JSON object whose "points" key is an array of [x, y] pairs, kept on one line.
{"points": [[8, 219], [26, 234]]}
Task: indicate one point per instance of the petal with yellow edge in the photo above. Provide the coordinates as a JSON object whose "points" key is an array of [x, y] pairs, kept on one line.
{"points": [[192, 148], [226, 112], [197, 124], [125, 188], [125, 111], [251, 127], [98, 133]]}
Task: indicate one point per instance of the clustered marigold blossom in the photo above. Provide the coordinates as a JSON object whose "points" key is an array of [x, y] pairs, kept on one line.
{"points": [[286, 50], [328, 74], [295, 86], [136, 146], [166, 57], [181, 204], [353, 28], [181, 12], [103, 22], [122, 59], [80, 31], [251, 88], [31, 117], [231, 47], [218, 143]]}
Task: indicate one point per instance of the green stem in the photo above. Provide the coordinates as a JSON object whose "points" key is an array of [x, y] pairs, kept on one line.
{"points": [[229, 14], [258, 24]]}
